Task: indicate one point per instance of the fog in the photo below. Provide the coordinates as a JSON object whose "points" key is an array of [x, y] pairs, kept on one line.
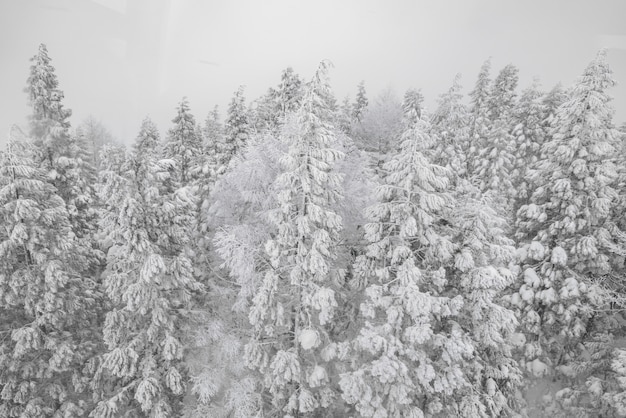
{"points": [[121, 60]]}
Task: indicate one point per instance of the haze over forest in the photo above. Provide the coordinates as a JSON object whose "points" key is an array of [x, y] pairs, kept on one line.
{"points": [[286, 250]]}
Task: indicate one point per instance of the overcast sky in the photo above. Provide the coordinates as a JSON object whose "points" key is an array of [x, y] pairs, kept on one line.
{"points": [[121, 60]]}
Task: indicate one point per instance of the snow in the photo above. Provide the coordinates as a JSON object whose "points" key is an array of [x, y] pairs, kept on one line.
{"points": [[537, 368], [309, 339], [536, 251], [531, 278], [559, 256]]}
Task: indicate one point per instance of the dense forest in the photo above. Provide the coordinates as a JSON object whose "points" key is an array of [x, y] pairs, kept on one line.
{"points": [[309, 257]]}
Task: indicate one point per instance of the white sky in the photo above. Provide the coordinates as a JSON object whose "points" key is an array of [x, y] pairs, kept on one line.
{"points": [[121, 60]]}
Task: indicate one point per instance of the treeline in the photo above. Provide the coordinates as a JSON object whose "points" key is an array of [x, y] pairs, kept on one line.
{"points": [[310, 258]]}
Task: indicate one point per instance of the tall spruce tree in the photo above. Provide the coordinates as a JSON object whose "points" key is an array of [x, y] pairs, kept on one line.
{"points": [[293, 309], [529, 134], [149, 281], [63, 157], [184, 145], [450, 123], [480, 120], [359, 106], [237, 128], [495, 161], [572, 255], [407, 365], [47, 331]]}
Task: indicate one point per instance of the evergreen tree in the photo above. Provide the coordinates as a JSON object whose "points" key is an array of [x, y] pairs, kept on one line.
{"points": [[213, 141], [529, 135], [60, 154], [344, 116], [359, 106], [410, 351], [184, 145], [149, 281], [450, 123], [480, 274], [479, 114], [495, 161], [46, 101], [289, 93], [293, 309], [572, 253], [48, 329], [552, 101], [237, 128]]}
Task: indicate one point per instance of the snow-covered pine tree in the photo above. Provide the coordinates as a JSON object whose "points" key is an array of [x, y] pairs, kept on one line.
{"points": [[360, 104], [184, 145], [213, 130], [410, 354], [263, 116], [495, 158], [60, 154], [289, 93], [344, 120], [480, 274], [552, 101], [450, 123], [210, 169], [149, 281], [48, 122], [480, 122], [293, 309], [237, 128], [502, 97], [46, 100], [529, 134], [48, 331], [572, 253]]}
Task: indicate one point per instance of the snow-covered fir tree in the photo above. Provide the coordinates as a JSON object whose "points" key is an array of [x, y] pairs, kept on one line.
{"points": [[572, 253], [480, 274], [410, 352], [529, 134], [360, 104], [495, 159], [149, 281], [293, 309], [47, 307], [237, 128], [344, 120], [450, 123], [208, 170], [480, 121], [212, 140], [64, 157], [184, 145], [289, 93]]}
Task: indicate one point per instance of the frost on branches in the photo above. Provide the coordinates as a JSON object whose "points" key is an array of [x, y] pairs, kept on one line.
{"points": [[295, 304], [572, 254]]}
